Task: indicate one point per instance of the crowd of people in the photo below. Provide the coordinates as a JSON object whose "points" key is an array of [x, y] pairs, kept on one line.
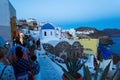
{"points": [[19, 62]]}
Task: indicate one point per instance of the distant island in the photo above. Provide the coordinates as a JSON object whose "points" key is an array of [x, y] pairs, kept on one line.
{"points": [[103, 35]]}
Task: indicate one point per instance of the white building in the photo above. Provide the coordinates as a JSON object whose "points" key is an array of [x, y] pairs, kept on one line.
{"points": [[31, 22], [7, 11], [58, 32], [85, 32], [47, 31], [72, 32], [41, 24]]}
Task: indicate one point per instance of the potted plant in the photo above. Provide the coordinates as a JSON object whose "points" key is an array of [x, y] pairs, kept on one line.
{"points": [[71, 73]]}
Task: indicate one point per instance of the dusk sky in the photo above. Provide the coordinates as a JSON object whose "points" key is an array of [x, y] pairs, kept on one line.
{"points": [[71, 13]]}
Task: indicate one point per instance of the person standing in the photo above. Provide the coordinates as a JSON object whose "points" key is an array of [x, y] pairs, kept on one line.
{"points": [[13, 50], [35, 66], [21, 66], [38, 44], [6, 70], [33, 47]]}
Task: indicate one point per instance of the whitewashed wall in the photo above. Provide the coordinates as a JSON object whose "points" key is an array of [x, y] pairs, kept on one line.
{"points": [[6, 10], [48, 32], [4, 13], [12, 10]]}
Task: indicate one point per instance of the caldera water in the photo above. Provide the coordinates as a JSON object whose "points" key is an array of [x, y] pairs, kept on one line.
{"points": [[115, 48]]}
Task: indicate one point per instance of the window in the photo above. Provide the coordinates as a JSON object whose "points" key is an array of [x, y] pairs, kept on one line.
{"points": [[45, 34], [51, 33]]}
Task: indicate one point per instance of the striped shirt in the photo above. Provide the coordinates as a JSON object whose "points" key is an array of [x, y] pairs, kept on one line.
{"points": [[21, 66]]}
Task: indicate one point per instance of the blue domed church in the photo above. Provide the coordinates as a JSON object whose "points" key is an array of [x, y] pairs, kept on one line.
{"points": [[47, 31]]}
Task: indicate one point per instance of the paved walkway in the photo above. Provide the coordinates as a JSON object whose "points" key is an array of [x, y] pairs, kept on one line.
{"points": [[47, 70]]}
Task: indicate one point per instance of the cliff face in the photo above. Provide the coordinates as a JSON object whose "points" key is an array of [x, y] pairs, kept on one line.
{"points": [[112, 32], [107, 32], [103, 38]]}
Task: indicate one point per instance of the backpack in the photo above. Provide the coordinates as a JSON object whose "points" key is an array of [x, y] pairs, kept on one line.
{"points": [[2, 72]]}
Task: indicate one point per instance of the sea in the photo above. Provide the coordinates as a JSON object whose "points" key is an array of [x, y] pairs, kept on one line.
{"points": [[115, 48]]}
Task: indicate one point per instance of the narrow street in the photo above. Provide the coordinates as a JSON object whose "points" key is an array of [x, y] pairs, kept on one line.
{"points": [[47, 70]]}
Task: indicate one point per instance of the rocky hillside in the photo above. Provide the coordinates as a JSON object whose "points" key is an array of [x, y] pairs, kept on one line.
{"points": [[112, 32], [96, 34], [85, 29], [104, 38], [108, 31]]}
